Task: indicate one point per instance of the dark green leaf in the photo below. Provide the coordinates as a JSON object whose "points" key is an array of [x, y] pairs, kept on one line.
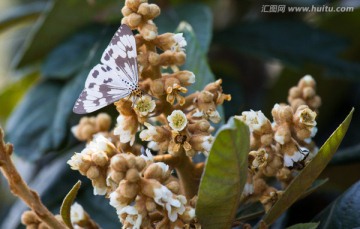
{"points": [[199, 16], [307, 176], [28, 127], [314, 186], [195, 59], [293, 42], [343, 212], [66, 204], [304, 226], [69, 57], [224, 177], [60, 19], [21, 14], [347, 155]]}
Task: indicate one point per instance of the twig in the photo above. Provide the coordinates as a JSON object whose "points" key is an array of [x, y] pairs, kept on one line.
{"points": [[19, 188]]}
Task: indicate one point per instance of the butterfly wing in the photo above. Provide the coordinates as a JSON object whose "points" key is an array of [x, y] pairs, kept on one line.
{"points": [[121, 54], [115, 78]]}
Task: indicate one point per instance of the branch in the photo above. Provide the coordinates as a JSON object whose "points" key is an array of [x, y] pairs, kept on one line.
{"points": [[20, 189], [188, 172]]}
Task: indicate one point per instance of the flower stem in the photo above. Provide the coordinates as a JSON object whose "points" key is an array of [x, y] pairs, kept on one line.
{"points": [[19, 187], [189, 173]]}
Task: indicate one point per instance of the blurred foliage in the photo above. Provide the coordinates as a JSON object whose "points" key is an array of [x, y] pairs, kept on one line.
{"points": [[258, 56]]}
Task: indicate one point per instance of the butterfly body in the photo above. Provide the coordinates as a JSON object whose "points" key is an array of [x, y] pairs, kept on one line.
{"points": [[116, 77]]}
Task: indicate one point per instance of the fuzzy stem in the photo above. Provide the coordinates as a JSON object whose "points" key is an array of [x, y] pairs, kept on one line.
{"points": [[188, 181], [19, 188]]}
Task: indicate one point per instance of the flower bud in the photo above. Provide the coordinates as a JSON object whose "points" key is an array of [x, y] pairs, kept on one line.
{"points": [[29, 217], [126, 11], [103, 122], [132, 175], [150, 205], [128, 189], [100, 158], [93, 172], [118, 163], [148, 30], [173, 186]]}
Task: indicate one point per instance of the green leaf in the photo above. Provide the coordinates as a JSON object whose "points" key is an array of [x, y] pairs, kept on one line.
{"points": [[69, 57], [66, 204], [343, 212], [224, 177], [295, 43], [195, 59], [28, 126], [347, 156], [199, 16], [304, 226], [314, 186], [12, 94], [60, 19], [20, 14], [307, 176]]}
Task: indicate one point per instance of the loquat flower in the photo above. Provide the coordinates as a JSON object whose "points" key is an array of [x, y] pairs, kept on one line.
{"points": [[177, 120], [126, 128], [179, 141], [144, 105], [130, 217], [173, 92]]}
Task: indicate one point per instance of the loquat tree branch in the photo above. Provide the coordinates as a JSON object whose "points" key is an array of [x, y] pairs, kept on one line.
{"points": [[20, 189]]}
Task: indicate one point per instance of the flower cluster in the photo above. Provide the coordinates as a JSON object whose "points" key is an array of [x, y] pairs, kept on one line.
{"points": [[280, 148], [174, 124]]}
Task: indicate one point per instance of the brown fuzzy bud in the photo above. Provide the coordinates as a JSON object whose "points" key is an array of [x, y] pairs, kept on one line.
{"points": [[315, 102], [149, 11], [103, 122], [126, 11], [294, 92], [157, 87], [154, 58], [134, 4], [132, 175], [154, 171], [29, 217], [173, 186], [186, 78], [148, 30], [117, 176], [308, 92], [130, 159], [140, 163], [119, 163], [93, 172], [100, 158], [134, 20], [150, 205], [307, 81], [128, 189]]}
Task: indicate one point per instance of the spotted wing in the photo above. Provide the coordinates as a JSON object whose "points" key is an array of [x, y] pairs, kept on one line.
{"points": [[115, 78], [102, 87], [121, 54]]}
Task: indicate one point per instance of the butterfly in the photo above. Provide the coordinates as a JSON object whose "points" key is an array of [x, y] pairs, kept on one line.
{"points": [[116, 77]]}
